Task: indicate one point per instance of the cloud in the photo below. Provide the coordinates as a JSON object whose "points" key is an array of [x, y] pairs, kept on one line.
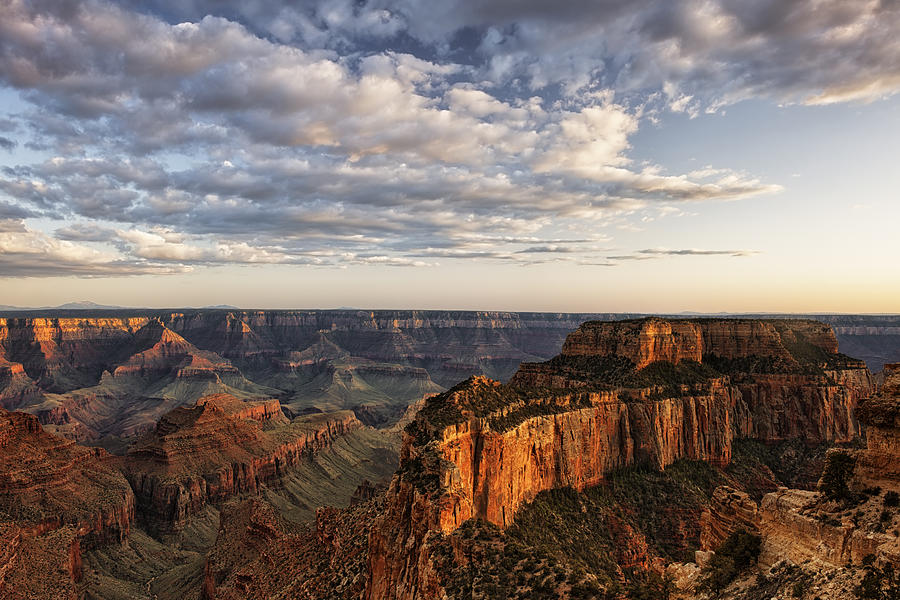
{"points": [[655, 253], [28, 253], [201, 133]]}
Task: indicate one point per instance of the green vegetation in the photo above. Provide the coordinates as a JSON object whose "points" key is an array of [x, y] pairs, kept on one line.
{"points": [[784, 580], [735, 555], [610, 372], [569, 544], [879, 583], [892, 499], [761, 467], [480, 561], [839, 466], [634, 508]]}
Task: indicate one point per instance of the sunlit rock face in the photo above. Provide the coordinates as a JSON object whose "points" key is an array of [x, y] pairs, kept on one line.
{"points": [[217, 449], [646, 391], [879, 463], [55, 498]]}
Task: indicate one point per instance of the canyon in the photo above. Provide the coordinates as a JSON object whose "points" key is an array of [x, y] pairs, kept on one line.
{"points": [[240, 440], [103, 376], [641, 392]]}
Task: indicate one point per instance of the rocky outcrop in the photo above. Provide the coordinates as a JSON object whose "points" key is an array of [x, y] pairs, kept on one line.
{"points": [[48, 482], [730, 510], [639, 392], [84, 374], [258, 556], [795, 527], [162, 351], [642, 342], [879, 463], [62, 354], [266, 411], [55, 498], [209, 452]]}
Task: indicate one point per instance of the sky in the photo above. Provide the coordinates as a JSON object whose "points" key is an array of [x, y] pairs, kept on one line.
{"points": [[579, 155]]}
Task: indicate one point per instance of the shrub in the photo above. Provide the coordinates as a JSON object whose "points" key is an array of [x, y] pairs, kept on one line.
{"points": [[892, 499], [835, 483], [736, 554], [879, 583]]}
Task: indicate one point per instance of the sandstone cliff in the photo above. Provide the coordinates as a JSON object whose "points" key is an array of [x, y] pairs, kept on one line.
{"points": [[86, 376], [879, 464], [730, 510], [55, 498], [634, 392], [211, 451]]}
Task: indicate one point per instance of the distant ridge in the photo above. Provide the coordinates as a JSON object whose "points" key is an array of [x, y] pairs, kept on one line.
{"points": [[77, 305]]}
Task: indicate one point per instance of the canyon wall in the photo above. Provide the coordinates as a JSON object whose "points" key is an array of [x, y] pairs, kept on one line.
{"points": [[879, 463], [86, 373], [55, 498], [217, 449], [483, 449]]}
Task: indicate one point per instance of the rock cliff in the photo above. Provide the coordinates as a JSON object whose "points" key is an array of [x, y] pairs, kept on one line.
{"points": [[86, 375], [879, 464], [55, 498], [635, 392], [219, 448], [730, 510]]}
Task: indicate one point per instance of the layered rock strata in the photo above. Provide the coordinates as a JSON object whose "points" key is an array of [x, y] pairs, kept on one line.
{"points": [[794, 527], [879, 463], [55, 498], [63, 367], [636, 392], [730, 510], [211, 451]]}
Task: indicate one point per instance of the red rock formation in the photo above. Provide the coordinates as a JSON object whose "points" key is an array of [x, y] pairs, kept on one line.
{"points": [[266, 411], [730, 510], [879, 463], [55, 497], [482, 449], [164, 351], [62, 354], [792, 529], [642, 342], [259, 556], [46, 566], [209, 452], [47, 482]]}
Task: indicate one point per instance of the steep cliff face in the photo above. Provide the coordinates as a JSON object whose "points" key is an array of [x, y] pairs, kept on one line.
{"points": [[62, 354], [730, 510], [634, 392], [55, 498], [642, 342], [88, 378], [211, 451], [85, 375], [879, 463], [47, 482], [793, 529]]}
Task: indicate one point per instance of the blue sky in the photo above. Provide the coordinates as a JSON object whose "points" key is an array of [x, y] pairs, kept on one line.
{"points": [[709, 155]]}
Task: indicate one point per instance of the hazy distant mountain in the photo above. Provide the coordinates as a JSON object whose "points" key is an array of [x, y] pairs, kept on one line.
{"points": [[78, 305]]}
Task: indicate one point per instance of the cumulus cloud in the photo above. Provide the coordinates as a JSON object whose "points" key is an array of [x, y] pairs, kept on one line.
{"points": [[28, 253], [392, 133]]}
